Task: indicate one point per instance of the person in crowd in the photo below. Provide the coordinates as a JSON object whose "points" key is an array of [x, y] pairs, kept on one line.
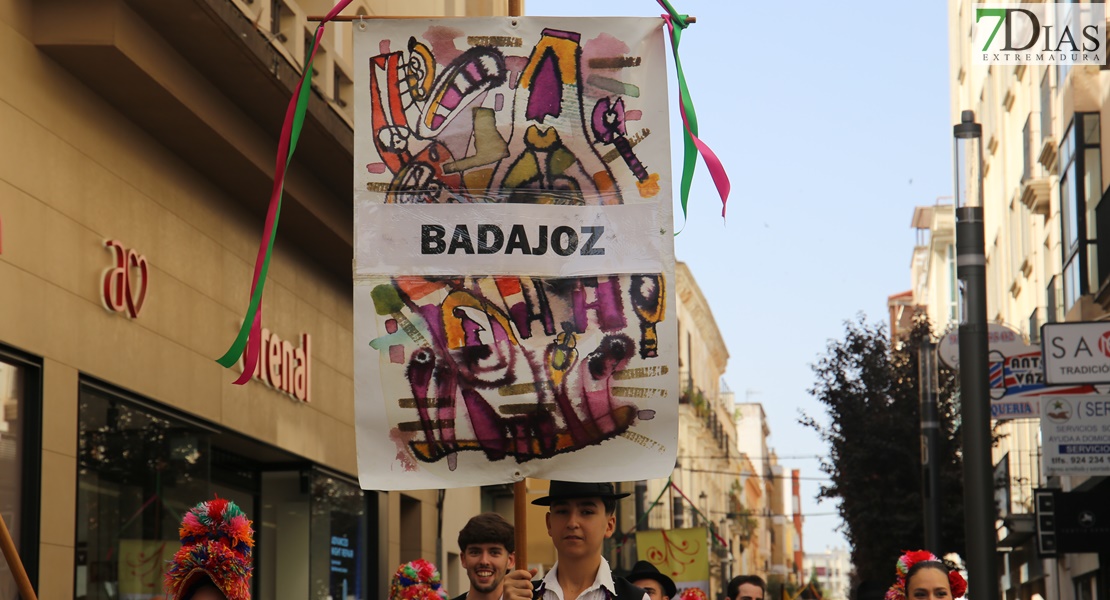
{"points": [[746, 587], [214, 562], [657, 585], [416, 580], [920, 575], [488, 552], [579, 519]]}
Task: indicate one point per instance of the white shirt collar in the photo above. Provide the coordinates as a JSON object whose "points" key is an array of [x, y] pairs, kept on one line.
{"points": [[604, 579]]}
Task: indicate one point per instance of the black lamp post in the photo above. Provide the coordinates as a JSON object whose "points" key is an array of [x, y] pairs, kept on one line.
{"points": [[930, 440], [975, 410]]}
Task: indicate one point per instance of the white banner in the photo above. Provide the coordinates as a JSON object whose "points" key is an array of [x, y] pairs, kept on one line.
{"points": [[514, 256], [510, 239]]}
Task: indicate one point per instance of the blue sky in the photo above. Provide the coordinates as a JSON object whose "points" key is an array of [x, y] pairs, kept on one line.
{"points": [[832, 122]]}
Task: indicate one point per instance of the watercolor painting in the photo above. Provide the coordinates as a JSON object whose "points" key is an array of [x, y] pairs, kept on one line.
{"points": [[514, 257]]}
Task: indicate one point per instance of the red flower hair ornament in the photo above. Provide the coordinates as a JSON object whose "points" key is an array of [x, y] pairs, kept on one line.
{"points": [[909, 558], [416, 580]]}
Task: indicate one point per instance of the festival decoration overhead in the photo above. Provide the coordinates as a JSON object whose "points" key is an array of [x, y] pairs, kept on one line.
{"points": [[514, 257], [681, 554]]}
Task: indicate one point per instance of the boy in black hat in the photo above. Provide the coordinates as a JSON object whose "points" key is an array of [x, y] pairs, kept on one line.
{"points": [[580, 517], [657, 585]]}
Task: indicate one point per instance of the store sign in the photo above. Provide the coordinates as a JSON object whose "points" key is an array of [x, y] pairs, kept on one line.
{"points": [[285, 367], [1075, 435], [1070, 522], [1016, 377], [1076, 352], [124, 284]]}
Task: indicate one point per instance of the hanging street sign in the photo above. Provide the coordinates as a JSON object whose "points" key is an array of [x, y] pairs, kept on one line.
{"points": [[1076, 353], [1016, 374], [1075, 434]]}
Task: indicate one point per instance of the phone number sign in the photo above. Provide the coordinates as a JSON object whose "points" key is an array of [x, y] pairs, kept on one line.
{"points": [[1075, 434]]}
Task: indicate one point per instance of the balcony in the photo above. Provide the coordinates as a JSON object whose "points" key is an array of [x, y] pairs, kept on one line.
{"points": [[209, 81], [1035, 194], [1048, 154]]}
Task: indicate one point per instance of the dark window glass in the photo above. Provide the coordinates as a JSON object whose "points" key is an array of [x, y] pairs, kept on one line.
{"points": [[1035, 327], [11, 461], [1046, 104], [20, 437], [1027, 149], [1055, 312], [1080, 196], [138, 472], [339, 544]]}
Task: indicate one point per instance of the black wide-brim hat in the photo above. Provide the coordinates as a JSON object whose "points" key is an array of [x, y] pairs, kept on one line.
{"points": [[645, 570], [569, 490]]}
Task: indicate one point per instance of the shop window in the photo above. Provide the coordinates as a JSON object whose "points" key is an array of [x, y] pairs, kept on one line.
{"points": [[339, 545], [20, 402], [142, 466], [282, 529], [138, 471]]}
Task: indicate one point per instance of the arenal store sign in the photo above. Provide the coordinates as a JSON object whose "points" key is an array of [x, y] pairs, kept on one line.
{"points": [[1017, 379], [285, 367]]}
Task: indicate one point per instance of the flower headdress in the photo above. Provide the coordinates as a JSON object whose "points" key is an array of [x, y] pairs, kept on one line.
{"points": [[910, 558], [216, 541], [416, 580], [692, 593]]}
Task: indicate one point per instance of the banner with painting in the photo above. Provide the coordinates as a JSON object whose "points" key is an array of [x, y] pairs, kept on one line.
{"points": [[514, 256]]}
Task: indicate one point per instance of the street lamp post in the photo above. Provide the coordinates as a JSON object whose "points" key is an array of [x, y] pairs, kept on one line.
{"points": [[930, 443], [974, 384]]}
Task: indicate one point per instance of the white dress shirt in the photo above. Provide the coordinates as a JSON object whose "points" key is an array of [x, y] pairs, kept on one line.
{"points": [[602, 588]]}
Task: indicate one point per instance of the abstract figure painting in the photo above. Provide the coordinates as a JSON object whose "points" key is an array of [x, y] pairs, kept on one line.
{"points": [[514, 257]]}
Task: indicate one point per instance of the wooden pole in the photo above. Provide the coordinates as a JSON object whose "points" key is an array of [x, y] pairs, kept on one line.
{"points": [[520, 522], [14, 564], [520, 488]]}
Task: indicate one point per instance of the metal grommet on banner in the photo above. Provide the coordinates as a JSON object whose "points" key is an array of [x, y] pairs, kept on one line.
{"points": [[361, 23], [513, 22]]}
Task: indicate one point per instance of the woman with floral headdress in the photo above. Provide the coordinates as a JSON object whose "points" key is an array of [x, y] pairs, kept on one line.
{"points": [[417, 580], [920, 575]]}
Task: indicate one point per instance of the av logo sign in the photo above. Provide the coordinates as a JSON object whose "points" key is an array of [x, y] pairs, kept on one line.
{"points": [[123, 285]]}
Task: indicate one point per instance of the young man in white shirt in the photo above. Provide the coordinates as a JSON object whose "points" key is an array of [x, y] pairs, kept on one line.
{"points": [[488, 547], [581, 516]]}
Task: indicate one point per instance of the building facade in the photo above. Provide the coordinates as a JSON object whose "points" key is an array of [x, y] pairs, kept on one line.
{"points": [[1043, 187], [760, 485], [136, 165], [831, 570], [705, 492]]}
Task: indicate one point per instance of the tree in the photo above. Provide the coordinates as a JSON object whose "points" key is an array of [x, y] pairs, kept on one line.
{"points": [[869, 387]]}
